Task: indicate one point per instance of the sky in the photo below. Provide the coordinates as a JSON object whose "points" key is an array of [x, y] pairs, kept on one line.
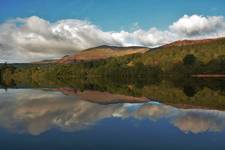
{"points": [[32, 30]]}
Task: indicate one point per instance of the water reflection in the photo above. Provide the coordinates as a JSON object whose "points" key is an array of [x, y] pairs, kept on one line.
{"points": [[37, 111]]}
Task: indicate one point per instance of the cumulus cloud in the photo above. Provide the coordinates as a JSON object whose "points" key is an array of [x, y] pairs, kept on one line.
{"points": [[33, 38], [198, 25]]}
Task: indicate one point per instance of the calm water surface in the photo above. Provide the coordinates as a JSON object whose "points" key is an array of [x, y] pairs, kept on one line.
{"points": [[67, 119]]}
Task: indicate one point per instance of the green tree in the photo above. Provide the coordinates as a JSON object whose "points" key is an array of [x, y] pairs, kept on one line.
{"points": [[189, 59]]}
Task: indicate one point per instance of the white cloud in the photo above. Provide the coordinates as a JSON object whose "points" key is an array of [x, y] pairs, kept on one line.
{"points": [[198, 25], [33, 38]]}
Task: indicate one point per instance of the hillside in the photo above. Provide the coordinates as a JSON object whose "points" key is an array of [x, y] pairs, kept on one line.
{"points": [[165, 56], [101, 52], [169, 55], [191, 42]]}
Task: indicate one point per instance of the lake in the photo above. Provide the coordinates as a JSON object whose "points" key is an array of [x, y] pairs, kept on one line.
{"points": [[69, 118]]}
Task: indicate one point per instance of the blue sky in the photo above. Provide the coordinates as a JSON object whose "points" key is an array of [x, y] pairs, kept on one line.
{"points": [[112, 14]]}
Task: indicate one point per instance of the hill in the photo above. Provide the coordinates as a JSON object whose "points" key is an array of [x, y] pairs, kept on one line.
{"points": [[165, 56], [192, 42], [101, 52], [171, 54]]}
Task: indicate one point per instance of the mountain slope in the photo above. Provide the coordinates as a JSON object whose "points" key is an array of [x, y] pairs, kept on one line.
{"points": [[171, 54], [101, 52], [165, 56], [192, 42]]}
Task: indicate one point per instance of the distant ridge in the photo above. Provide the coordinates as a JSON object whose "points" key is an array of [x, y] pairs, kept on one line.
{"points": [[192, 42], [46, 61], [101, 52]]}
